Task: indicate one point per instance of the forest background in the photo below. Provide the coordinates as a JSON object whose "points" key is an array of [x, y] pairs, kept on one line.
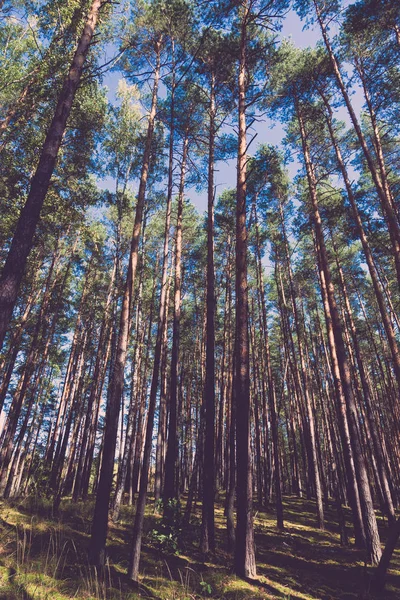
{"points": [[200, 247]]}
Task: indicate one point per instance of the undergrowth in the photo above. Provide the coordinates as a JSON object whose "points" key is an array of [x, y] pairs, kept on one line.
{"points": [[44, 557]]}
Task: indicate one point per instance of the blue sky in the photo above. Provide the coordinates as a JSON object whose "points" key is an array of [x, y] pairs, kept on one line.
{"points": [[268, 131]]}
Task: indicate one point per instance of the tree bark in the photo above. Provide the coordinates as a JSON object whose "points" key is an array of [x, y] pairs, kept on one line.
{"points": [[378, 455], [368, 514], [366, 247], [271, 391], [244, 560], [208, 529], [161, 343], [171, 482], [305, 382], [133, 570], [100, 518], [381, 188], [380, 573], [96, 384], [22, 242]]}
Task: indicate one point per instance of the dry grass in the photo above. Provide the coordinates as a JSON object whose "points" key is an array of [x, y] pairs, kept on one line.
{"points": [[43, 558]]}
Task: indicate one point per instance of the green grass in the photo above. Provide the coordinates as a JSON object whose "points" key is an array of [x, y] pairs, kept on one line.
{"points": [[45, 558]]}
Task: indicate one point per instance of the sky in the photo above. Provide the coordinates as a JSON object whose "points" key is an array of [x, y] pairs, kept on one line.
{"points": [[268, 131]]}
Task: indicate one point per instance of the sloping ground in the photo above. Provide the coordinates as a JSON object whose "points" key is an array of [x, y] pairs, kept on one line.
{"points": [[46, 558]]}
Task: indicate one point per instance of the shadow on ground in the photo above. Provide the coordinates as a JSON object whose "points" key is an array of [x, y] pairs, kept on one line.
{"points": [[45, 557]]}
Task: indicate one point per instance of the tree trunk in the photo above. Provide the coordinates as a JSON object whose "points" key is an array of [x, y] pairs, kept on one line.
{"points": [[133, 570], [161, 344], [171, 482], [208, 534], [100, 518], [230, 492], [305, 382], [366, 247], [244, 561], [134, 397], [271, 391], [21, 245], [380, 573], [378, 455], [384, 197], [96, 384], [368, 514]]}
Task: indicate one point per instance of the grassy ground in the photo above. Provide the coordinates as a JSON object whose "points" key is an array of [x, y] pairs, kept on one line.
{"points": [[46, 558]]}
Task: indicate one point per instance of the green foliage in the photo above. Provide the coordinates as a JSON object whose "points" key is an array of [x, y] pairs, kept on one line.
{"points": [[206, 588], [166, 534], [103, 148]]}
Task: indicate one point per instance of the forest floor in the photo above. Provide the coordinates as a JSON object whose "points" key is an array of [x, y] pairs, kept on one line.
{"points": [[42, 557]]}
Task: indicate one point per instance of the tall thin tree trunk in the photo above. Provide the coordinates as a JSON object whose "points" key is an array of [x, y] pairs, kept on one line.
{"points": [[381, 187], [171, 483], [244, 561], [365, 245], [134, 396], [305, 382], [231, 487], [100, 518], [368, 514], [96, 383], [160, 350], [271, 391], [133, 570], [378, 455], [208, 534], [21, 245]]}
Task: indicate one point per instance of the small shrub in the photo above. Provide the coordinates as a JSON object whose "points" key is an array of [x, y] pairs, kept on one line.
{"points": [[206, 588], [166, 534]]}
